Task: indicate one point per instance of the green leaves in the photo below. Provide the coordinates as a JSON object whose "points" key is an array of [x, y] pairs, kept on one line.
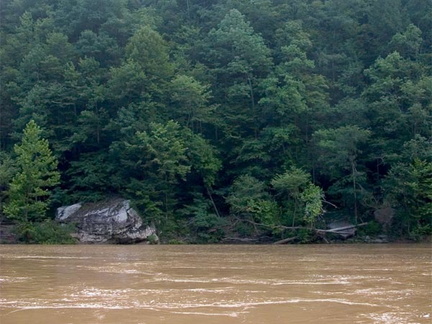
{"points": [[250, 202], [190, 102], [312, 198], [244, 190], [292, 182], [298, 195], [165, 151], [170, 152], [407, 43], [147, 48], [340, 147], [37, 173], [237, 47], [162, 166], [238, 59], [165, 101], [409, 188]]}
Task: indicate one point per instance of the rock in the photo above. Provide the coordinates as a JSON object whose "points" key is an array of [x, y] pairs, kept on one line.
{"points": [[343, 228], [65, 212], [111, 221], [378, 239], [385, 216]]}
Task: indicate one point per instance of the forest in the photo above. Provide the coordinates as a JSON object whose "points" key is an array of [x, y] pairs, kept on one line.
{"points": [[254, 119]]}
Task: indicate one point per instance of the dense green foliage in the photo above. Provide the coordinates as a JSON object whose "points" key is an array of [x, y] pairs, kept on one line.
{"points": [[45, 232], [37, 173], [220, 118]]}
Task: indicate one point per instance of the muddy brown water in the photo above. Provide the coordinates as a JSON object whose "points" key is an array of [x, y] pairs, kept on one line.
{"points": [[221, 284]]}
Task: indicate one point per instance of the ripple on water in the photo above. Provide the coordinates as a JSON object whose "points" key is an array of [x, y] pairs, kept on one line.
{"points": [[46, 257], [396, 318], [114, 302], [7, 279]]}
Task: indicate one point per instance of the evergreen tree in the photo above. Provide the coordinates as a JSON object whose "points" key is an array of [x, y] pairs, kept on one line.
{"points": [[29, 190]]}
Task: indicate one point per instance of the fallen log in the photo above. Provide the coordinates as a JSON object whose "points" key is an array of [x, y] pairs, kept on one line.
{"points": [[286, 240], [239, 240], [344, 231], [339, 229]]}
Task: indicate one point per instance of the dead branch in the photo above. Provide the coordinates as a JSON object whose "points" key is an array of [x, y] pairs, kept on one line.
{"points": [[286, 240], [333, 230]]}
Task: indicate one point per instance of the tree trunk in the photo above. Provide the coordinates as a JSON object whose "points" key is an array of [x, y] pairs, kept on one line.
{"points": [[354, 171], [212, 201], [287, 240]]}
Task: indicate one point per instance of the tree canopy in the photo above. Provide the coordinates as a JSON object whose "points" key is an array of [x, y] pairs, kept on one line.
{"points": [[220, 117]]}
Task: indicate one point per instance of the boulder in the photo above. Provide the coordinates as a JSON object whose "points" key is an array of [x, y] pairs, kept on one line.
{"points": [[343, 228], [111, 221]]}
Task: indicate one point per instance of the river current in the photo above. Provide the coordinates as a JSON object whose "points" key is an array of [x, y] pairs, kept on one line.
{"points": [[223, 284]]}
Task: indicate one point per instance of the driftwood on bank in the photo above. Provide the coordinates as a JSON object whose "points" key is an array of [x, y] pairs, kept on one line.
{"points": [[344, 231], [338, 229], [287, 240], [239, 240]]}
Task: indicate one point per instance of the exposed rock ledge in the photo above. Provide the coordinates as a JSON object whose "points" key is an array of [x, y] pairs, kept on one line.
{"points": [[111, 221]]}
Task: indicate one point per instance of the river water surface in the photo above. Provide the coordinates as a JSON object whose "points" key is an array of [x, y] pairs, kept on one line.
{"points": [[220, 284]]}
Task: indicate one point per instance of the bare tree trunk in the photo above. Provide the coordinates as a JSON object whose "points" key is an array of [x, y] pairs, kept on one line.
{"points": [[354, 171], [287, 240], [212, 201]]}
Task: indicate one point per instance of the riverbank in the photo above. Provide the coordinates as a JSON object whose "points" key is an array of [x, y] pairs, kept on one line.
{"points": [[8, 236]]}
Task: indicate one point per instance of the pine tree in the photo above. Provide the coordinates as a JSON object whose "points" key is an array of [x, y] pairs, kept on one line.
{"points": [[37, 172]]}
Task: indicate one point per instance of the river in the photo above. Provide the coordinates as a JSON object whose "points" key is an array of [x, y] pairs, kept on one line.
{"points": [[223, 284]]}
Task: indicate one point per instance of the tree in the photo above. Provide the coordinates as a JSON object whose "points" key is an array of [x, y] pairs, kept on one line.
{"points": [[295, 96], [162, 167], [190, 100], [399, 104], [144, 76], [291, 183], [299, 194], [7, 171], [29, 190], [340, 148], [409, 189], [238, 59], [250, 203], [152, 162], [150, 51], [312, 197], [407, 43]]}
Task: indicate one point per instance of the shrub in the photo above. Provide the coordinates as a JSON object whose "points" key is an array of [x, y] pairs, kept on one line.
{"points": [[46, 232]]}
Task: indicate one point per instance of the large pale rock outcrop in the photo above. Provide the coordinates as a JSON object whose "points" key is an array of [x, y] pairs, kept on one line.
{"points": [[111, 221]]}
